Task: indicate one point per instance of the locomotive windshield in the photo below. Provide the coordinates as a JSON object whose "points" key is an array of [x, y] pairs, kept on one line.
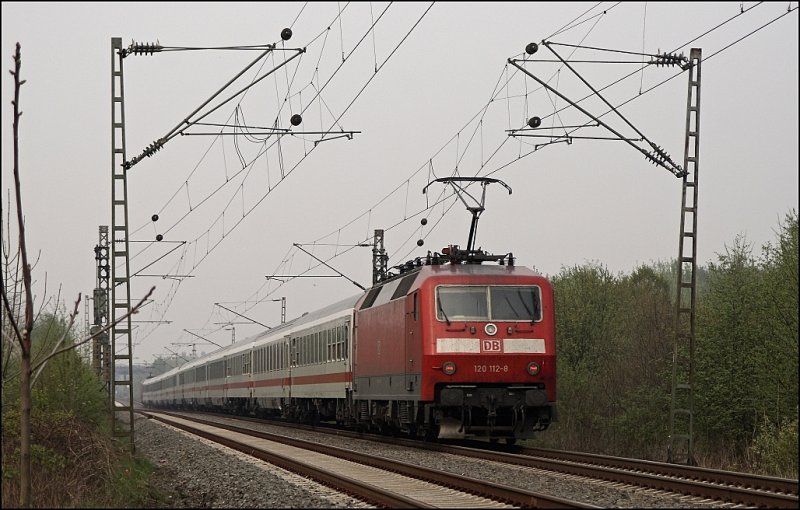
{"points": [[488, 303]]}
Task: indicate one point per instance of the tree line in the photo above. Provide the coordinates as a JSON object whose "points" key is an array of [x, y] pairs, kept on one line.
{"points": [[615, 346]]}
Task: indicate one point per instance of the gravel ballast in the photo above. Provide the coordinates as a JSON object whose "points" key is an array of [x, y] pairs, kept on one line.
{"points": [[194, 473]]}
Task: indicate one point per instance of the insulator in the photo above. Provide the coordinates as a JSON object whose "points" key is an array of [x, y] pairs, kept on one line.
{"points": [[154, 217], [423, 221], [153, 148], [668, 59], [159, 237], [286, 34], [531, 48], [661, 153], [420, 242], [534, 122], [143, 48], [296, 119]]}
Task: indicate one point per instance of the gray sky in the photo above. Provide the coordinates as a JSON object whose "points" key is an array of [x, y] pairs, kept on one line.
{"points": [[443, 100]]}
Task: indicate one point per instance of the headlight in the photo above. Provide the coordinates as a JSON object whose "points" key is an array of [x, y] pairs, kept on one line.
{"points": [[533, 368], [449, 368], [490, 329]]}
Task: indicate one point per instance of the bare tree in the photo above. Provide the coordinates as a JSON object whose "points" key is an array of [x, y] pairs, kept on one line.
{"points": [[19, 307]]}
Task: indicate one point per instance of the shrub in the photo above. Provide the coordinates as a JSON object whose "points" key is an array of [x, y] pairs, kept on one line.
{"points": [[774, 450]]}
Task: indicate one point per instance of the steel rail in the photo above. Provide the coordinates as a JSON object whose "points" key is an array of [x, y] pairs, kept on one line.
{"points": [[758, 482]]}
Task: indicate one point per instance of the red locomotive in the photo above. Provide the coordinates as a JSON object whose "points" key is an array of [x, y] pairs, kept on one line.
{"points": [[457, 350], [450, 348]]}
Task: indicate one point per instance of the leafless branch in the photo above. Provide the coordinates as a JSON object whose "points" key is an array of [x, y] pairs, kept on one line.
{"points": [[134, 310], [11, 319], [40, 366], [26, 269], [43, 345]]}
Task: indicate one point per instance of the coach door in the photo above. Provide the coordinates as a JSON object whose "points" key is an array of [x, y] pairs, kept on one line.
{"points": [[413, 347], [347, 351], [291, 343]]}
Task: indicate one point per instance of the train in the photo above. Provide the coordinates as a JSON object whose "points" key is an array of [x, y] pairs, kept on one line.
{"points": [[451, 347]]}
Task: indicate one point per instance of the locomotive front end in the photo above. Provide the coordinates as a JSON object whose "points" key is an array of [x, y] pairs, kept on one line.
{"points": [[490, 349]]}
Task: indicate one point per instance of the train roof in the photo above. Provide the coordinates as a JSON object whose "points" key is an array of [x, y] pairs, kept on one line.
{"points": [[332, 310]]}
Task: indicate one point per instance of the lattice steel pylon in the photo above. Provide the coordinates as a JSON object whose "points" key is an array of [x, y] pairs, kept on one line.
{"points": [[101, 351], [681, 419], [121, 345], [379, 258]]}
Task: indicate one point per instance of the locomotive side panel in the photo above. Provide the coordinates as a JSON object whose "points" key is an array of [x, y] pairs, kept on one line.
{"points": [[379, 368]]}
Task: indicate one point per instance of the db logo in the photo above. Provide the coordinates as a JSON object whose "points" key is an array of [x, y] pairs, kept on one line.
{"points": [[491, 346]]}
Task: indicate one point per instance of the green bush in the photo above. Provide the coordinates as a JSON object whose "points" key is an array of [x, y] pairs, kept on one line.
{"points": [[774, 449], [75, 461]]}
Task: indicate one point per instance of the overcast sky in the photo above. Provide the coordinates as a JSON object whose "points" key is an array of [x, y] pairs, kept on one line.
{"points": [[443, 100]]}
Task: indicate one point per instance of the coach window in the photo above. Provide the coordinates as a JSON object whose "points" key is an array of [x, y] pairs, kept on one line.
{"points": [[271, 362]]}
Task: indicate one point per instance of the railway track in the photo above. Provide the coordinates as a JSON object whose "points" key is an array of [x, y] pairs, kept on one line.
{"points": [[380, 481], [725, 487], [756, 483]]}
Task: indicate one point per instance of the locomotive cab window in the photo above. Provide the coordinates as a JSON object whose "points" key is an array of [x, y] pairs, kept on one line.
{"points": [[488, 303]]}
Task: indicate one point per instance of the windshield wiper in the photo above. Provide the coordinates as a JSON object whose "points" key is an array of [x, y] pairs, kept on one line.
{"points": [[537, 306], [535, 311], [439, 304]]}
